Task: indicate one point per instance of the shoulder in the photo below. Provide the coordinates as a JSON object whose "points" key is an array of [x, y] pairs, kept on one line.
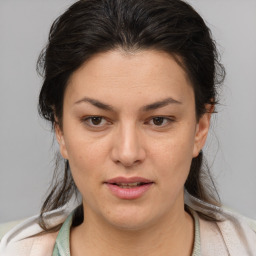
{"points": [[239, 221], [26, 237], [5, 227], [234, 234], [248, 221], [251, 223]]}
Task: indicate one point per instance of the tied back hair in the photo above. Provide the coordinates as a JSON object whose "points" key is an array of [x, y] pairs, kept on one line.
{"points": [[90, 27]]}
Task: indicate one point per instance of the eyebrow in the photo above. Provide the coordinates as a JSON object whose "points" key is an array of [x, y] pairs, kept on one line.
{"points": [[149, 107], [160, 104], [96, 103]]}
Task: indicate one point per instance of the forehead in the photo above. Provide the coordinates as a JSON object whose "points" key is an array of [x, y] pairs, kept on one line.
{"points": [[144, 74]]}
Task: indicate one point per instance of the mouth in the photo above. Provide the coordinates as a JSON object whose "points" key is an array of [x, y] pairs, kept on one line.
{"points": [[129, 188], [130, 185], [130, 182]]}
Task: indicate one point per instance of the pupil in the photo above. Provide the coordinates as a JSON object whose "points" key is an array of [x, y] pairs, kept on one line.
{"points": [[96, 120], [158, 120]]}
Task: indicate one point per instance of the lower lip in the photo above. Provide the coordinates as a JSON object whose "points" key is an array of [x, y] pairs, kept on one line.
{"points": [[129, 193]]}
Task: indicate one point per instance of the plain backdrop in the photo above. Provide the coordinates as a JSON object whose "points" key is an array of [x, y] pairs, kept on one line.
{"points": [[26, 152]]}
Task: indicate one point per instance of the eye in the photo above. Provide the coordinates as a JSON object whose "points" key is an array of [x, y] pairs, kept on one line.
{"points": [[95, 121], [160, 121]]}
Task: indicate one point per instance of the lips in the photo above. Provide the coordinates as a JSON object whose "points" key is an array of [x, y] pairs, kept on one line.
{"points": [[131, 180], [129, 185], [129, 188], [128, 182]]}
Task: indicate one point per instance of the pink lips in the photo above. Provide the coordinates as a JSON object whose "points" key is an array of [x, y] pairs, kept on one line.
{"points": [[118, 188]]}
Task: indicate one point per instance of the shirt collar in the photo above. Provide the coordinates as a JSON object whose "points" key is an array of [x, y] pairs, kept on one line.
{"points": [[62, 243]]}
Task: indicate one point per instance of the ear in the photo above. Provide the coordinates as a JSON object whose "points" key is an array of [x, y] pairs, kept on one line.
{"points": [[61, 141], [202, 130]]}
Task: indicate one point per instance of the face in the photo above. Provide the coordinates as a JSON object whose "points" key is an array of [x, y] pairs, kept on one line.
{"points": [[130, 133]]}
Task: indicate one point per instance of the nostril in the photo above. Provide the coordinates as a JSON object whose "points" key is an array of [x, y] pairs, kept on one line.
{"points": [[127, 154]]}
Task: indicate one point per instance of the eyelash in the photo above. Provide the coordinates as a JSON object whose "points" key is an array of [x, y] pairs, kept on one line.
{"points": [[167, 120], [88, 121], [89, 118]]}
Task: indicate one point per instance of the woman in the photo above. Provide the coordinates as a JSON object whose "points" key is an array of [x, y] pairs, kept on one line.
{"points": [[129, 88]]}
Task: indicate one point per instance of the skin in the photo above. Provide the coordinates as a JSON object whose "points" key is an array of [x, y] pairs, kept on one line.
{"points": [[130, 141]]}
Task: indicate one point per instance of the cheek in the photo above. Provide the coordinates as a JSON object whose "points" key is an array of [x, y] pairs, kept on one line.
{"points": [[173, 157], [87, 158], [84, 163], [83, 148]]}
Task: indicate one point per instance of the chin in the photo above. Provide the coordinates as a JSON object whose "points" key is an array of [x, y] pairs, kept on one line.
{"points": [[130, 219]]}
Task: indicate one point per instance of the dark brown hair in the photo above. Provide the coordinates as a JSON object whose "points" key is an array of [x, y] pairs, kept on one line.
{"points": [[89, 27]]}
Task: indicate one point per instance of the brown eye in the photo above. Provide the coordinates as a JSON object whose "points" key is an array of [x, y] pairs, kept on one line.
{"points": [[158, 121], [161, 121], [96, 120]]}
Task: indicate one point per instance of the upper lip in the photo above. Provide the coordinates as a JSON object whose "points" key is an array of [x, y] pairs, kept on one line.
{"points": [[128, 180]]}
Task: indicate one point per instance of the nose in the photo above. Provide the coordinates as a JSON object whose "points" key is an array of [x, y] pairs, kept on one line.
{"points": [[127, 147]]}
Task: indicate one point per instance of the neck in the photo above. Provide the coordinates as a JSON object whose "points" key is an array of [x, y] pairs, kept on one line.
{"points": [[173, 236]]}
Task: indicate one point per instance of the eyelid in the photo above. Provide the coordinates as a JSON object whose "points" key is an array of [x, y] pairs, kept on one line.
{"points": [[169, 119], [86, 118]]}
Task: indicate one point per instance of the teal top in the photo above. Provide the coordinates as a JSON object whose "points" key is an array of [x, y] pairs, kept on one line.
{"points": [[62, 244]]}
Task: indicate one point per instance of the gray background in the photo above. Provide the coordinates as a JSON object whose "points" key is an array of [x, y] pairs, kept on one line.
{"points": [[26, 152]]}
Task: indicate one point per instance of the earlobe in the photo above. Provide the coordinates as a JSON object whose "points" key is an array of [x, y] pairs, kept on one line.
{"points": [[61, 141], [202, 130]]}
